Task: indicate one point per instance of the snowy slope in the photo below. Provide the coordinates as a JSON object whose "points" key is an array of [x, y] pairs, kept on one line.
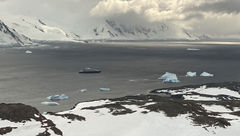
{"points": [[9, 36], [37, 29], [152, 114]]}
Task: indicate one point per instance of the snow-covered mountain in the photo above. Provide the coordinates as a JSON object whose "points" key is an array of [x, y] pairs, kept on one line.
{"points": [[36, 29], [109, 29], [9, 36], [114, 30]]}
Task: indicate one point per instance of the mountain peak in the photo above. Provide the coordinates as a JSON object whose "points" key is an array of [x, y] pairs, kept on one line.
{"points": [[9, 36], [116, 30]]}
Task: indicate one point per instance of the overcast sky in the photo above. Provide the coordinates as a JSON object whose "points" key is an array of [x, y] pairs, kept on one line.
{"points": [[214, 17]]}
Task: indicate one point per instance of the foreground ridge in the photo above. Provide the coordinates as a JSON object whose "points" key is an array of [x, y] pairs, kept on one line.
{"points": [[210, 109]]}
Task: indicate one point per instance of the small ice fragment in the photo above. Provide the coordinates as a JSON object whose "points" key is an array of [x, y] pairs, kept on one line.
{"points": [[191, 74], [44, 113], [132, 80], [28, 52], [169, 78], [83, 90], [206, 74], [104, 89], [50, 103], [192, 49], [57, 97]]}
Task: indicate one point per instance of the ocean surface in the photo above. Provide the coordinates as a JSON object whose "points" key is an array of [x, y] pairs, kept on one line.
{"points": [[127, 68]]}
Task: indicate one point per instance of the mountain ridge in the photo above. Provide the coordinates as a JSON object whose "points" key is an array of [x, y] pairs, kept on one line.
{"points": [[27, 29], [10, 36]]}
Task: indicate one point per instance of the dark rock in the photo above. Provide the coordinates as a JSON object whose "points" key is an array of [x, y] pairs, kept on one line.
{"points": [[68, 116], [6, 130], [115, 109], [17, 112]]}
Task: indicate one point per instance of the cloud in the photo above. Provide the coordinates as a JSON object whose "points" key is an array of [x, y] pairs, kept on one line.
{"points": [[200, 16], [220, 6], [164, 10], [70, 13], [153, 10]]}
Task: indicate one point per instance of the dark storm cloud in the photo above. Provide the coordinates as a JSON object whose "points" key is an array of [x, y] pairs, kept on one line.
{"points": [[194, 16], [223, 6]]}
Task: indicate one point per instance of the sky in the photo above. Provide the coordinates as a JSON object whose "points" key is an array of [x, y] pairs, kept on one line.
{"points": [[211, 17]]}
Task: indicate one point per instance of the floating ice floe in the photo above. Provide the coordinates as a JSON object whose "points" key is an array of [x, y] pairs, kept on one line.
{"points": [[44, 113], [83, 90], [191, 74], [169, 78], [104, 89], [56, 47], [28, 52], [192, 49], [57, 97], [206, 74], [50, 103], [132, 80]]}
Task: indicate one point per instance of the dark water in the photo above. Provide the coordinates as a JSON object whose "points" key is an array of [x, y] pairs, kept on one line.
{"points": [[30, 78]]}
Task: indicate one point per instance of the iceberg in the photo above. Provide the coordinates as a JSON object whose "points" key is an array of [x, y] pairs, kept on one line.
{"points": [[169, 78], [206, 74], [83, 90], [191, 74], [57, 97], [104, 89], [50, 103], [28, 52]]}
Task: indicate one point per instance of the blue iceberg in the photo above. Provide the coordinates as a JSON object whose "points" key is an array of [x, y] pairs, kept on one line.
{"points": [[191, 74], [83, 90], [206, 74], [169, 78], [57, 97], [50, 103], [104, 89]]}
